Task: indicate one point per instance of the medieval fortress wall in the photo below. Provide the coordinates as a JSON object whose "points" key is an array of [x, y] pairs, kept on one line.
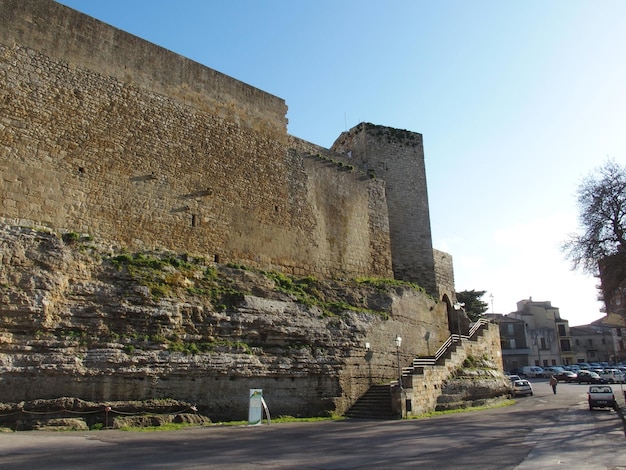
{"points": [[106, 134], [397, 156]]}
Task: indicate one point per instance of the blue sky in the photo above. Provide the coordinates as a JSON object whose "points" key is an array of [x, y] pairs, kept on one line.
{"points": [[517, 102]]}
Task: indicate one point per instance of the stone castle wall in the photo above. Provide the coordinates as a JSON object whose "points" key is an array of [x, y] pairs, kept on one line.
{"points": [[444, 273], [106, 134], [156, 151], [79, 40], [397, 156]]}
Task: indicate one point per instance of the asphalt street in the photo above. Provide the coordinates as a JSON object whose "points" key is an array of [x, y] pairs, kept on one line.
{"points": [[545, 431]]}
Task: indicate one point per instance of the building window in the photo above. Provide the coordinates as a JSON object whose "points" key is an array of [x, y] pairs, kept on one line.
{"points": [[510, 329], [512, 344], [590, 341], [562, 330], [543, 344], [565, 346]]}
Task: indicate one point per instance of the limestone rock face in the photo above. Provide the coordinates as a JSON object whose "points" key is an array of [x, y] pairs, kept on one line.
{"points": [[87, 320], [475, 384]]}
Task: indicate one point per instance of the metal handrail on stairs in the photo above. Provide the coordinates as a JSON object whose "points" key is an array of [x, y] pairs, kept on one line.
{"points": [[445, 347]]}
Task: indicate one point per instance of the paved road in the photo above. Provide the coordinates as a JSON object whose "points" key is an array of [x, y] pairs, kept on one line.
{"points": [[545, 431]]}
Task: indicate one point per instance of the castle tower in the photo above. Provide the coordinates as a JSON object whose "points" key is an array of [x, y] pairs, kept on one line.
{"points": [[397, 157]]}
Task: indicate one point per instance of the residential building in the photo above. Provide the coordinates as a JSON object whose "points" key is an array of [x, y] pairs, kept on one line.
{"points": [[600, 341], [548, 334], [513, 340]]}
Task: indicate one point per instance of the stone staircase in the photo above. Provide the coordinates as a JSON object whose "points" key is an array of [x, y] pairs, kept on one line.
{"points": [[428, 372], [375, 404]]}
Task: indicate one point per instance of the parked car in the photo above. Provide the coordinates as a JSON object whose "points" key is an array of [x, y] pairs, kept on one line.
{"points": [[513, 378], [601, 396], [532, 371], [522, 387], [552, 370], [566, 376], [517, 371], [586, 376], [613, 376], [584, 365]]}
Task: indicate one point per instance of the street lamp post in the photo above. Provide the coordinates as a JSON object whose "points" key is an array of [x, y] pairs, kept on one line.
{"points": [[398, 344]]}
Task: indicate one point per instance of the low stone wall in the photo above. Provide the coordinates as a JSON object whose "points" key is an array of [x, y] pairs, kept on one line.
{"points": [[73, 414]]}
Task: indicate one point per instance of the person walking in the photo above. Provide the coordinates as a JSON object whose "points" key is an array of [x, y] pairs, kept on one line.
{"points": [[553, 383]]}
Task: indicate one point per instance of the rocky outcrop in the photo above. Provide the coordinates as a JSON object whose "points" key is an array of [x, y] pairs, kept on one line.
{"points": [[478, 383], [83, 319]]}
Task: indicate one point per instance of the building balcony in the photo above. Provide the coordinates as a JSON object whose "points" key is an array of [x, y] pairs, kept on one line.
{"points": [[511, 352]]}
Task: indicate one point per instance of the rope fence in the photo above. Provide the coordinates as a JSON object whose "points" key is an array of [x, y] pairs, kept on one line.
{"points": [[104, 409]]}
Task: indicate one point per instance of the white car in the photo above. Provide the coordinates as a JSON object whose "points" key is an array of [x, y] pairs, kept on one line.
{"points": [[522, 387], [613, 376], [533, 371], [601, 396]]}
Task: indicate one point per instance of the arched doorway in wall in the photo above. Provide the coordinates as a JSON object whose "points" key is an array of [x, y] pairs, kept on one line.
{"points": [[453, 315], [458, 321]]}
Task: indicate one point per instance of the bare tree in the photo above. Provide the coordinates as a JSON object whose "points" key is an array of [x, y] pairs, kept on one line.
{"points": [[602, 218]]}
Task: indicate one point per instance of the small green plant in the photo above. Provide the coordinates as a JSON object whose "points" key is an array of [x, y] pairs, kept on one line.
{"points": [[210, 273], [163, 427], [237, 266], [469, 362], [176, 347], [122, 260], [431, 414], [386, 283], [159, 291], [158, 338], [70, 237]]}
